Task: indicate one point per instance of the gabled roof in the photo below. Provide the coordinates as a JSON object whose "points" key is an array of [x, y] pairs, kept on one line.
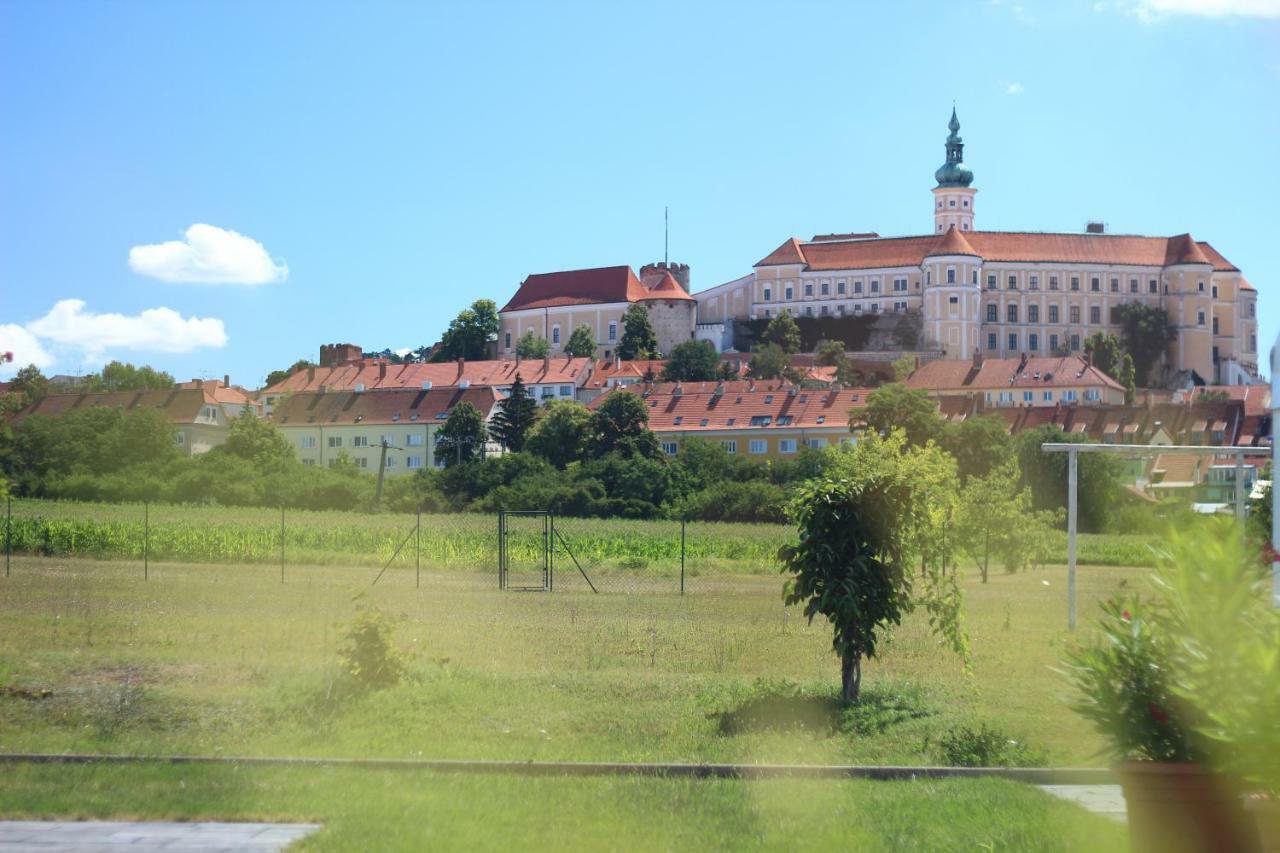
{"points": [[577, 287], [402, 406], [1000, 246], [997, 374], [179, 405], [789, 408], [375, 373], [952, 243]]}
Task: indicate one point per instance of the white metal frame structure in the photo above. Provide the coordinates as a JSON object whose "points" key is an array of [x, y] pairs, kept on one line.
{"points": [[1074, 450]]}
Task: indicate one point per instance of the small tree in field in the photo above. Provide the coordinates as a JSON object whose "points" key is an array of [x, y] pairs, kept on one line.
{"points": [[996, 517], [881, 507]]}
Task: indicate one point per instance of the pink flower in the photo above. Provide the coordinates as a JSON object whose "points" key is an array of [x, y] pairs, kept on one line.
{"points": [[1125, 616]]}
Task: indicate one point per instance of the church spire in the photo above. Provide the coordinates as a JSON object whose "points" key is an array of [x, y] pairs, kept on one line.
{"points": [[954, 173], [953, 197]]}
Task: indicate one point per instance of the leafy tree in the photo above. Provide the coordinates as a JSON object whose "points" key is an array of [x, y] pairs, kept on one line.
{"points": [[146, 436], [532, 347], [882, 506], [563, 433], [995, 516], [638, 339], [692, 361], [895, 406], [769, 361], [830, 353], [979, 444], [783, 332], [1097, 477], [257, 441], [510, 425], [1147, 335], [620, 424], [1108, 356], [120, 376], [30, 383], [903, 367], [726, 371], [462, 437], [275, 377], [582, 343], [469, 333]]}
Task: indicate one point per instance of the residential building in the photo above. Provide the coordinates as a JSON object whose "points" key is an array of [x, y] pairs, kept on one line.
{"points": [[1003, 294], [325, 425], [199, 420], [552, 305], [234, 400], [1066, 380], [758, 423]]}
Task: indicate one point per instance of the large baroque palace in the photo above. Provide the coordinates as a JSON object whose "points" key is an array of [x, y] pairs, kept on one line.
{"points": [[1007, 293]]}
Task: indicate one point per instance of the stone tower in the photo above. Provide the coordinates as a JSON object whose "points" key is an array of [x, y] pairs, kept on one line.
{"points": [[953, 197]]}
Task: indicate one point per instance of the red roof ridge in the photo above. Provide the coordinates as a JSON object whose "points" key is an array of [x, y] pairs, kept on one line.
{"points": [[953, 243], [1184, 250], [788, 253]]}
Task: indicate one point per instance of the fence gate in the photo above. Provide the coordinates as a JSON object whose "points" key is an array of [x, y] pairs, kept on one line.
{"points": [[525, 551]]}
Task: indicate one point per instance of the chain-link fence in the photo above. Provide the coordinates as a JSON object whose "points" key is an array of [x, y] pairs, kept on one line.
{"points": [[514, 551]]}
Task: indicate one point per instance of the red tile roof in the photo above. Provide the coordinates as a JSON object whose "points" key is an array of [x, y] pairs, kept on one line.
{"points": [[665, 286], [1007, 246], [1256, 398], [734, 410], [375, 373], [231, 395], [952, 243], [1003, 373], [403, 406], [593, 287], [180, 405]]}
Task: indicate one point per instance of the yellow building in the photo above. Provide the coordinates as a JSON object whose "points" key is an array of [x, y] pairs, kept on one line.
{"points": [[1052, 381], [325, 425], [1004, 294]]}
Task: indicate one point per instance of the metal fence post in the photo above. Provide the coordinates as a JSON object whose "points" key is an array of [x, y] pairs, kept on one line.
{"points": [[417, 553], [146, 539], [282, 543], [683, 519], [1071, 539], [8, 532]]}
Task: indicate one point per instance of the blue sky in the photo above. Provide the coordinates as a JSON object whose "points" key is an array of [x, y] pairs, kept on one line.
{"points": [[386, 164]]}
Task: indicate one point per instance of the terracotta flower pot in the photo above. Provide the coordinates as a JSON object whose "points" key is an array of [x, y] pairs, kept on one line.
{"points": [[1183, 808], [1266, 811]]}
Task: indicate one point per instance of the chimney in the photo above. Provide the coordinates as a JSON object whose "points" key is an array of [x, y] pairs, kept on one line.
{"points": [[382, 370], [719, 392], [462, 363], [226, 380], [677, 391], [1095, 228], [311, 374], [977, 359]]}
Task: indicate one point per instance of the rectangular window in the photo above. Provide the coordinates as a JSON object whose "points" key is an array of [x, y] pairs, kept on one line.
{"points": [[555, 334], [669, 448], [1092, 394], [1034, 282], [413, 462], [815, 443], [335, 441], [900, 285], [309, 441], [308, 462], [1215, 325], [1028, 396], [953, 300], [1013, 282], [1011, 312], [1053, 282], [1095, 314], [1046, 397], [875, 285], [1033, 313], [822, 312], [1075, 282], [1200, 318], [613, 330], [1095, 284], [857, 287], [840, 288], [1068, 396], [391, 461], [991, 342], [857, 309], [993, 313], [787, 445], [1075, 314], [1013, 341], [790, 293], [361, 462], [951, 276], [360, 441], [768, 295], [808, 310], [1075, 343], [1215, 291], [1033, 342], [729, 445], [1115, 285], [1133, 285], [1153, 286], [1053, 343], [991, 282], [1053, 313], [756, 445], [1006, 397], [506, 340], [826, 288], [808, 288]]}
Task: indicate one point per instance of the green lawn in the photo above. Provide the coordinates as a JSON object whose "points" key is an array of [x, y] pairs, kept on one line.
{"points": [[410, 810], [227, 660]]}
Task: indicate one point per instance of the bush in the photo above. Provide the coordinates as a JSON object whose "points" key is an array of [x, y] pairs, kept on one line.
{"points": [[754, 500], [369, 657], [964, 746]]}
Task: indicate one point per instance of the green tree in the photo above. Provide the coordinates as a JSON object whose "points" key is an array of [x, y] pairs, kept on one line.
{"points": [[30, 383], [979, 444], [146, 436], [462, 437], [638, 339], [903, 367], [532, 347], [582, 343], [768, 361], [783, 331], [620, 424], [563, 433], [516, 414], [275, 377], [830, 353], [257, 441], [895, 406], [121, 376], [1097, 477], [469, 333], [1108, 355], [692, 361], [1147, 334], [995, 516], [881, 506]]}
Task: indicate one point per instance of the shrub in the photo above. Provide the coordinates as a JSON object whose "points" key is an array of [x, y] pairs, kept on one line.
{"points": [[964, 746], [369, 657]]}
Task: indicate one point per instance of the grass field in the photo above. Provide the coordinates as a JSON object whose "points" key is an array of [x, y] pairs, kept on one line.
{"points": [[233, 662], [464, 542]]}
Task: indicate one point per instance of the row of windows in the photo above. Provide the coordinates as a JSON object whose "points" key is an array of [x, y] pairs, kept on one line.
{"points": [[308, 442], [755, 445], [1095, 283], [1007, 398], [898, 307], [899, 285], [555, 334], [1033, 342], [410, 462]]}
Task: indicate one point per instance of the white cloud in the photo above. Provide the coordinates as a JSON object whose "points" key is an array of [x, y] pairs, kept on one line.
{"points": [[1014, 89], [156, 329], [25, 348], [208, 255], [1153, 10]]}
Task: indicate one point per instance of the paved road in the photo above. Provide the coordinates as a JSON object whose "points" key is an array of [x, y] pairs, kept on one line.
{"points": [[1104, 799], [100, 836]]}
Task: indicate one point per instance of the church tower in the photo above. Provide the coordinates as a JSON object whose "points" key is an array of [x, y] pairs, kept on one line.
{"points": [[953, 197]]}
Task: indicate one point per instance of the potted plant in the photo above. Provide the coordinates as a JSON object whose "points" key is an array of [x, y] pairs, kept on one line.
{"points": [[1175, 800]]}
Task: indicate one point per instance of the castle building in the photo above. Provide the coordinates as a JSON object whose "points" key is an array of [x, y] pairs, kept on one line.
{"points": [[1005, 294], [552, 305]]}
